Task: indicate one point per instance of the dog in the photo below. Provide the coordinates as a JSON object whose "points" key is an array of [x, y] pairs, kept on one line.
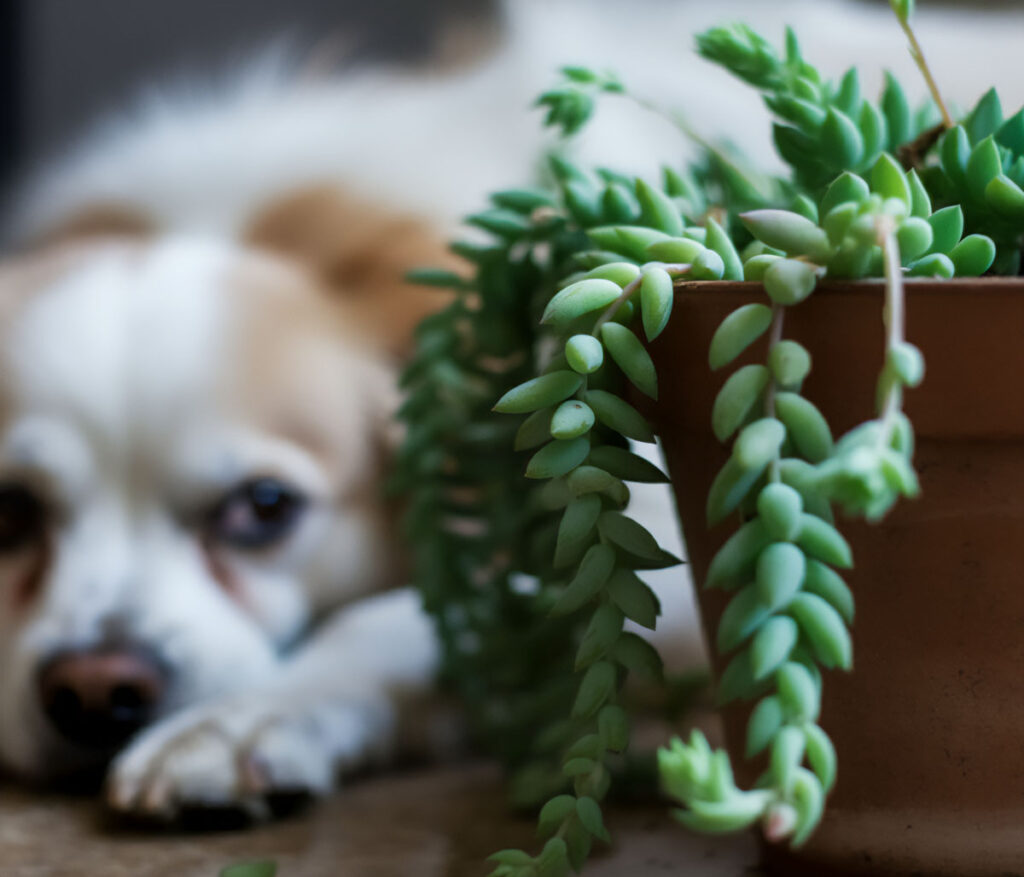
{"points": [[201, 320]]}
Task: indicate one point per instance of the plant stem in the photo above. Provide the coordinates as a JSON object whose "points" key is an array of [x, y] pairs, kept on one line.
{"points": [[894, 319], [675, 269], [778, 317], [917, 53]]}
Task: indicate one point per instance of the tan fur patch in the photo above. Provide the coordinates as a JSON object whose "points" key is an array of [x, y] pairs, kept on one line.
{"points": [[101, 220], [360, 250]]}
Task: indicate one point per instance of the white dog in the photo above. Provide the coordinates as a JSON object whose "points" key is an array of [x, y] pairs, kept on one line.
{"points": [[197, 349]]}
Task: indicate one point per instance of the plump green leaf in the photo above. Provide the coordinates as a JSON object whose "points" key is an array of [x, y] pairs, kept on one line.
{"points": [[589, 479], [744, 614], [827, 584], [983, 165], [947, 226], [798, 691], [780, 573], [821, 755], [737, 398], [734, 562], [758, 443], [1006, 197], [657, 209], [789, 363], [731, 486], [535, 430], [772, 645], [986, 117], [755, 267], [707, 266], [888, 180], [628, 535], [824, 630], [764, 723], [638, 656], [780, 507], [841, 139], [597, 686], [808, 796], [576, 529], [590, 578], [805, 424], [558, 458], [619, 415], [824, 542], [847, 187], [932, 265], [580, 298], [1011, 133], [613, 727], [523, 200], [675, 250], [656, 295], [973, 256], [790, 281], [906, 362], [600, 635], [636, 600], [505, 223], [795, 235], [619, 205], [571, 419], [554, 813], [897, 112], [621, 273], [589, 813], [954, 150], [539, 393], [720, 242], [787, 754], [584, 353], [626, 465], [920, 200], [737, 332], [914, 238], [630, 356]]}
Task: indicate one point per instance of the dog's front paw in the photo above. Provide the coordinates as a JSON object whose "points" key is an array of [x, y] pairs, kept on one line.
{"points": [[239, 755]]}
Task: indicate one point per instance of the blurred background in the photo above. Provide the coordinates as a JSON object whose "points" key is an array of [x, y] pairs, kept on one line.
{"points": [[63, 62]]}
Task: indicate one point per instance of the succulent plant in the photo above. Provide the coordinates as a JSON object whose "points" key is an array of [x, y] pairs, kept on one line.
{"points": [[531, 579]]}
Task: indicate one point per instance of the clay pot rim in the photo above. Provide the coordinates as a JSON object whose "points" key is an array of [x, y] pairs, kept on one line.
{"points": [[871, 286]]}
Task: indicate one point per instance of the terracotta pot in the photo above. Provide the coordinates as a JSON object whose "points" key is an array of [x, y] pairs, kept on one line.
{"points": [[929, 727]]}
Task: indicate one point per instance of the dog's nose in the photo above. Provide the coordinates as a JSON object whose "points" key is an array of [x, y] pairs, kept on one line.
{"points": [[100, 698]]}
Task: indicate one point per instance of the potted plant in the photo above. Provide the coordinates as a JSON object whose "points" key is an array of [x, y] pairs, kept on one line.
{"points": [[603, 293]]}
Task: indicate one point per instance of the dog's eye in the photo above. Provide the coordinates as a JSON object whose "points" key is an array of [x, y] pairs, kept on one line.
{"points": [[21, 517], [257, 513]]}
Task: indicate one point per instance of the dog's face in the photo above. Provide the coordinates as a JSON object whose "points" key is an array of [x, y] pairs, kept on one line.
{"points": [[191, 445]]}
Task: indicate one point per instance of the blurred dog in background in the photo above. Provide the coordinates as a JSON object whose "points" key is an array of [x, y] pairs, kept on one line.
{"points": [[200, 322]]}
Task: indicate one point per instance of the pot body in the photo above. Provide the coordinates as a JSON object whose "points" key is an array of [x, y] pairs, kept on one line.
{"points": [[929, 727]]}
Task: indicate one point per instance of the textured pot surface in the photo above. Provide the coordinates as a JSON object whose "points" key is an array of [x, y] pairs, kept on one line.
{"points": [[929, 727]]}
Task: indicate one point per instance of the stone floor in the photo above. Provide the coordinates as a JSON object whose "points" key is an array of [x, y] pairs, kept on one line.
{"points": [[437, 822]]}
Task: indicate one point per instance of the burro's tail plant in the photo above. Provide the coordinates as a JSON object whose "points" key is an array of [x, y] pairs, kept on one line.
{"points": [[532, 579]]}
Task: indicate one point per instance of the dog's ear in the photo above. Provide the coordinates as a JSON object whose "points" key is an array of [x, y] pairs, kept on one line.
{"points": [[361, 252]]}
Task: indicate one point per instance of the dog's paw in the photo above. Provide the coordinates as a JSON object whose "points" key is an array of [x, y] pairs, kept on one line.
{"points": [[239, 755]]}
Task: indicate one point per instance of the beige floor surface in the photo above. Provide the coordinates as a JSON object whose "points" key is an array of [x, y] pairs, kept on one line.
{"points": [[437, 822]]}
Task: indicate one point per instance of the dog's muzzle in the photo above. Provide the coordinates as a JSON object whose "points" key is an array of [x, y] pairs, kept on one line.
{"points": [[99, 698]]}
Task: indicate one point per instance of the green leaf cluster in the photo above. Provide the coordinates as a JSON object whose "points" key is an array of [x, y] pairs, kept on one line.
{"points": [[520, 409]]}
